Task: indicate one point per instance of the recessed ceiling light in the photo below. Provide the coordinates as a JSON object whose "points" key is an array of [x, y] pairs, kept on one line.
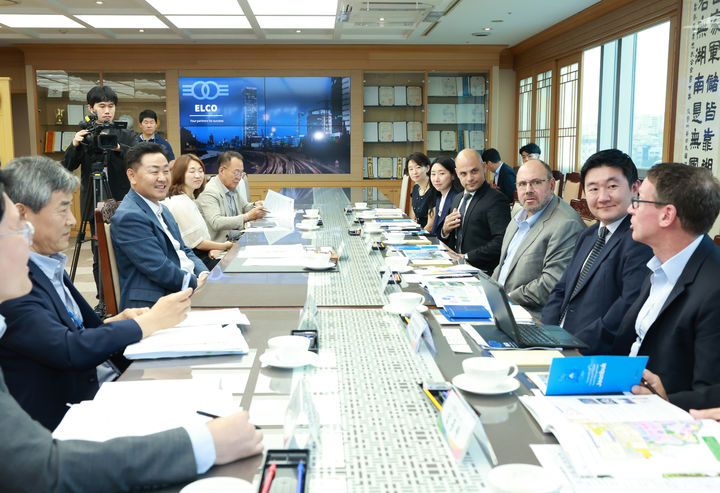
{"points": [[210, 21], [99, 2], [142, 30], [123, 21], [487, 28], [38, 21], [293, 7], [481, 34], [298, 31], [296, 21], [382, 19], [193, 7]]}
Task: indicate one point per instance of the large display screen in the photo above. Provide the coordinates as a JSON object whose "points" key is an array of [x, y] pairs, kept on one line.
{"points": [[281, 125]]}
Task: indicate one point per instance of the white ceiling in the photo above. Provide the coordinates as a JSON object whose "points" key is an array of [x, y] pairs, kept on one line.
{"points": [[404, 21]]}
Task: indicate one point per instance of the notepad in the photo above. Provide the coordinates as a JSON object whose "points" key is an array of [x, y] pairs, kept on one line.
{"points": [[189, 341]]}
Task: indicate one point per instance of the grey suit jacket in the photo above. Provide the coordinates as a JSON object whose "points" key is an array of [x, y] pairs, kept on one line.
{"points": [[543, 255], [214, 208], [33, 461]]}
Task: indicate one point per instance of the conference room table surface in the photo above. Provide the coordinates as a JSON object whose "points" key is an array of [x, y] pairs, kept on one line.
{"points": [[378, 430]]}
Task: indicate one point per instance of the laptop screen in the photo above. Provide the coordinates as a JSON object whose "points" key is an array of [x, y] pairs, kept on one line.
{"points": [[499, 306]]}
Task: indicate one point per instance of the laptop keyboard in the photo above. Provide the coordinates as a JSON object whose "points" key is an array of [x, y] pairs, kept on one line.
{"points": [[534, 335]]}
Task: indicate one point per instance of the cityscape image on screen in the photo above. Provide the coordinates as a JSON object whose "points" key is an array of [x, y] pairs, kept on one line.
{"points": [[281, 125]]}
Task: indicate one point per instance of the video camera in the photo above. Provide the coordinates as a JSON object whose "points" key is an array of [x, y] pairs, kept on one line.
{"points": [[96, 139]]}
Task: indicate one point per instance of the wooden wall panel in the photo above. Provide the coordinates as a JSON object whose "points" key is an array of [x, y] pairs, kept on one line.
{"points": [[12, 65]]}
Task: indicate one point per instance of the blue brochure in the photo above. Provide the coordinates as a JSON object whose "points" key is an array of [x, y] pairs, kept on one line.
{"points": [[457, 313], [594, 374]]}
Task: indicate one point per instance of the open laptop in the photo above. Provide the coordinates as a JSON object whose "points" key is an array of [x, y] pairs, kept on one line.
{"points": [[522, 335]]}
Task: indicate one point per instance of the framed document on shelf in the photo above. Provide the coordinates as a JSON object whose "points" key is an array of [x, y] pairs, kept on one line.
{"points": [[400, 96], [433, 140], [385, 131], [414, 132], [477, 85], [370, 132], [371, 96], [442, 113], [470, 113], [400, 132], [476, 139], [369, 166], [442, 86], [386, 95], [414, 96], [448, 140], [399, 166], [385, 167]]}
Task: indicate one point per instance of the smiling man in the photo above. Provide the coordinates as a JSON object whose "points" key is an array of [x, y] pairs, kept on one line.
{"points": [[539, 241], [607, 268], [151, 257], [56, 347], [476, 225]]}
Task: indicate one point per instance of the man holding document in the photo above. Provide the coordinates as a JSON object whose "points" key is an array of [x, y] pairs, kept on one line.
{"points": [[33, 461], [224, 209]]}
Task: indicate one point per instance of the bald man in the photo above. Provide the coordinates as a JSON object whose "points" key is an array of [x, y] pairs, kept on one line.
{"points": [[539, 241], [476, 225]]}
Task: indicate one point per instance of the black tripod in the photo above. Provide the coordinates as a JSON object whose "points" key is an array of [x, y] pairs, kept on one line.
{"points": [[100, 192]]}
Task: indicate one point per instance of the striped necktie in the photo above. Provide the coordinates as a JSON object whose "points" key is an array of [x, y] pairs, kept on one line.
{"points": [[461, 209], [594, 253]]}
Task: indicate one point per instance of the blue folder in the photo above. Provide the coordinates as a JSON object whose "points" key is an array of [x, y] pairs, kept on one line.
{"points": [[461, 313], [594, 374]]}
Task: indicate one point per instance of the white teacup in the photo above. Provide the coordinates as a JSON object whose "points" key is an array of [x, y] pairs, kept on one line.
{"points": [[396, 262], [488, 369], [317, 259], [289, 349], [394, 237], [361, 205], [522, 478], [406, 302], [312, 212], [308, 223]]}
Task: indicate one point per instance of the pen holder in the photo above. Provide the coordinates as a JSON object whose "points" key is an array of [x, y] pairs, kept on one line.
{"points": [[286, 475]]}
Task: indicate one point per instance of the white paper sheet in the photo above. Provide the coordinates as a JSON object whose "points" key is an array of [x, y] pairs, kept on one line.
{"points": [[189, 341]]}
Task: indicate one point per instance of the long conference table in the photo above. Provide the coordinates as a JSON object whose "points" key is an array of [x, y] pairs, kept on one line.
{"points": [[379, 432]]}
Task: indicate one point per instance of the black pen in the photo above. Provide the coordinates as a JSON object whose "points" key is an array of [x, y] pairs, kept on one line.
{"points": [[647, 385], [214, 416]]}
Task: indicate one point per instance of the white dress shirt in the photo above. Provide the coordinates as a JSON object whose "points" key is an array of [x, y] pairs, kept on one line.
{"points": [[523, 224]]}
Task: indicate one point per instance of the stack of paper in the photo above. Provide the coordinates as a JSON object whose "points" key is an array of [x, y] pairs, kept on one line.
{"points": [[189, 341]]}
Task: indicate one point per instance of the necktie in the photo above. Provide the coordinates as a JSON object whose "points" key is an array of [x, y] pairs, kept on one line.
{"points": [[231, 204], [461, 209], [594, 253]]}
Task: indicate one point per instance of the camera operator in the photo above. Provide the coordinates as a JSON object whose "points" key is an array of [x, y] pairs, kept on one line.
{"points": [[96, 142], [102, 102]]}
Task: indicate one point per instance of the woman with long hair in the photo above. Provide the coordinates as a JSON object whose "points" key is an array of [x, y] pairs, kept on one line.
{"points": [[187, 181], [417, 168], [445, 185]]}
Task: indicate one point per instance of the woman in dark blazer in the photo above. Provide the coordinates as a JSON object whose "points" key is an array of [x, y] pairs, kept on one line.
{"points": [[446, 185]]}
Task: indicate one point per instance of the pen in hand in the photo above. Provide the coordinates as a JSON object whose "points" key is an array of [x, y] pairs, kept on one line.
{"points": [[215, 416], [647, 385]]}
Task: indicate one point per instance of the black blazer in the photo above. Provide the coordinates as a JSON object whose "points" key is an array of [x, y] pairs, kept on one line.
{"points": [[506, 181], [486, 218], [612, 285], [48, 361], [684, 342]]}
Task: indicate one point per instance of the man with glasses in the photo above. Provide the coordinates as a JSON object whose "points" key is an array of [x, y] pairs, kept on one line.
{"points": [[676, 317], [539, 241], [607, 267], [223, 207], [33, 461], [55, 349], [529, 151]]}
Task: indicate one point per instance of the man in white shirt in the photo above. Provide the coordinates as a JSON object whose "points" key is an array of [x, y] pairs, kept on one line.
{"points": [[152, 258], [676, 318], [539, 241]]}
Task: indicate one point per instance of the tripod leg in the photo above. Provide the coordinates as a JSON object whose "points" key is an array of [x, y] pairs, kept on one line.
{"points": [[80, 239]]}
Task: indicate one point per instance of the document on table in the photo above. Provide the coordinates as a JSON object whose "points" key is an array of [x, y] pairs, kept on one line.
{"points": [[189, 341], [296, 261], [271, 251], [456, 292], [282, 208], [142, 407], [223, 316]]}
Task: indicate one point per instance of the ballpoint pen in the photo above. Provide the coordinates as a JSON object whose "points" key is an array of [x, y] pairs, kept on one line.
{"points": [[647, 385], [269, 478], [214, 416], [300, 475]]}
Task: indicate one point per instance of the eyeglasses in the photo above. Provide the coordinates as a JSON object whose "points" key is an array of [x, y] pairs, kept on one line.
{"points": [[28, 231], [239, 174], [636, 202], [533, 183]]}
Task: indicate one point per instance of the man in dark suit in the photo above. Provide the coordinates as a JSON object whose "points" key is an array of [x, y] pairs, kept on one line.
{"points": [[504, 176], [475, 228], [33, 461], [676, 317], [152, 259], [55, 349], [591, 306]]}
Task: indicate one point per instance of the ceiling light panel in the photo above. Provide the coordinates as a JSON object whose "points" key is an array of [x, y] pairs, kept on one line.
{"points": [[123, 21], [209, 21], [296, 21], [193, 7], [293, 7], [39, 21]]}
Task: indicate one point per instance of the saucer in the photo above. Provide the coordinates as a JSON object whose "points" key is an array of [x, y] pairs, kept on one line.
{"points": [[302, 227], [305, 216], [464, 382], [220, 484], [327, 266], [270, 358], [366, 208], [399, 270], [397, 311]]}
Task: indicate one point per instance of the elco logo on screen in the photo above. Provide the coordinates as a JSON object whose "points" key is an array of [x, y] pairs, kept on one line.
{"points": [[205, 90]]}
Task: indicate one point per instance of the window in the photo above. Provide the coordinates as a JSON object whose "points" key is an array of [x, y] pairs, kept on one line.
{"points": [[525, 112], [543, 101], [567, 117], [624, 86]]}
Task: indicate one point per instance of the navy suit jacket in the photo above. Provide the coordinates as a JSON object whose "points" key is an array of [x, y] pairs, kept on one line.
{"points": [[48, 360], [148, 265], [684, 341], [611, 286], [441, 214], [486, 218], [506, 181]]}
